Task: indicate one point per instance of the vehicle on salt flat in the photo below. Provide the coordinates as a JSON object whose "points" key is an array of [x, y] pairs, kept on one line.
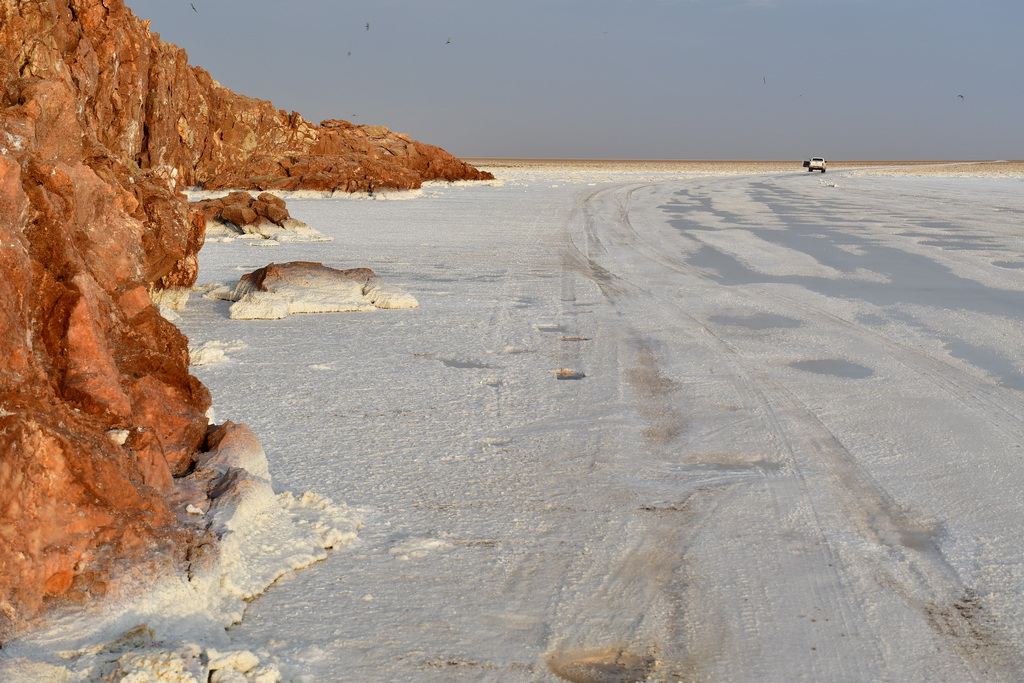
{"points": [[815, 164]]}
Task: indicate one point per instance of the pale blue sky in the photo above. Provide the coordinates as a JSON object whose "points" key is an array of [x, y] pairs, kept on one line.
{"points": [[654, 79]]}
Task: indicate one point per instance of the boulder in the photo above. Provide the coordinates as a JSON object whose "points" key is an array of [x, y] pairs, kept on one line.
{"points": [[239, 214], [280, 289]]}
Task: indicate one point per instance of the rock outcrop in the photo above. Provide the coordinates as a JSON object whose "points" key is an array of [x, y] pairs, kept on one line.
{"points": [[243, 210], [239, 214], [101, 125], [143, 103], [284, 152], [280, 289]]}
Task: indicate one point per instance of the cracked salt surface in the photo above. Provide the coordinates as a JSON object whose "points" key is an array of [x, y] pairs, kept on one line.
{"points": [[699, 506]]}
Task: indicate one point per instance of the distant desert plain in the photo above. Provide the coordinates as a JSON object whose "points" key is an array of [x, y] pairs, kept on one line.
{"points": [[932, 168]]}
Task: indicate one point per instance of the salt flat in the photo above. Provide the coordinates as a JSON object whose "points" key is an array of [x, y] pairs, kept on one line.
{"points": [[788, 447]]}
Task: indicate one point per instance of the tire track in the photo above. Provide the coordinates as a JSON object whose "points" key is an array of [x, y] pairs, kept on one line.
{"points": [[839, 494], [700, 653], [944, 376]]}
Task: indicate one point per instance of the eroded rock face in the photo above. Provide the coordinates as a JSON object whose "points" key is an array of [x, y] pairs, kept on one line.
{"points": [[140, 100], [86, 362], [292, 154], [101, 124], [83, 353]]}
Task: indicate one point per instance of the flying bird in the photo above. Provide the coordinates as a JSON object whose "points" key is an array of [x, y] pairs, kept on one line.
{"points": [[449, 42], [960, 96], [367, 26], [765, 79], [194, 8]]}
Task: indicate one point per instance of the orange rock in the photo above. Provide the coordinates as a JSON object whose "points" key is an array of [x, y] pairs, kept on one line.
{"points": [[239, 215], [152, 462], [263, 279], [59, 582], [83, 234], [101, 125], [134, 301]]}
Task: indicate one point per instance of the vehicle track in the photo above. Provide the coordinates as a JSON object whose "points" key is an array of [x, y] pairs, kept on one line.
{"points": [[943, 375], [618, 289], [839, 494]]}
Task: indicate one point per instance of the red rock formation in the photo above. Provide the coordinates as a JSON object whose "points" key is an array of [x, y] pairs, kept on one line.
{"points": [[242, 209], [143, 102], [85, 362], [334, 156], [100, 124], [266, 278]]}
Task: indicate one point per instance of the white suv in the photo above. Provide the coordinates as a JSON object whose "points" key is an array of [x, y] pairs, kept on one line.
{"points": [[815, 164]]}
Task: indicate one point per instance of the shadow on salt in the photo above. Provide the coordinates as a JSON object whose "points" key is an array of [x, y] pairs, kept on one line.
{"points": [[836, 367], [756, 321]]}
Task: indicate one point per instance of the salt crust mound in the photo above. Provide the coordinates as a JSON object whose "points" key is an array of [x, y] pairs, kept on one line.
{"points": [[382, 194], [213, 352], [278, 290], [290, 230], [171, 627], [383, 295]]}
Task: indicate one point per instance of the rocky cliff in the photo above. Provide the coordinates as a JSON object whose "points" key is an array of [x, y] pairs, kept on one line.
{"points": [[101, 124]]}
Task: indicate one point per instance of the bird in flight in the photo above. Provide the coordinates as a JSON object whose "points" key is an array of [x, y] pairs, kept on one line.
{"points": [[449, 42], [194, 8], [367, 26], [960, 96]]}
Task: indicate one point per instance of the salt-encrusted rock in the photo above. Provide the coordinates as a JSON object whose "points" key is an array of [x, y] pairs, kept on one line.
{"points": [[214, 351], [384, 295], [175, 298], [244, 537], [280, 289], [262, 534], [239, 214]]}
